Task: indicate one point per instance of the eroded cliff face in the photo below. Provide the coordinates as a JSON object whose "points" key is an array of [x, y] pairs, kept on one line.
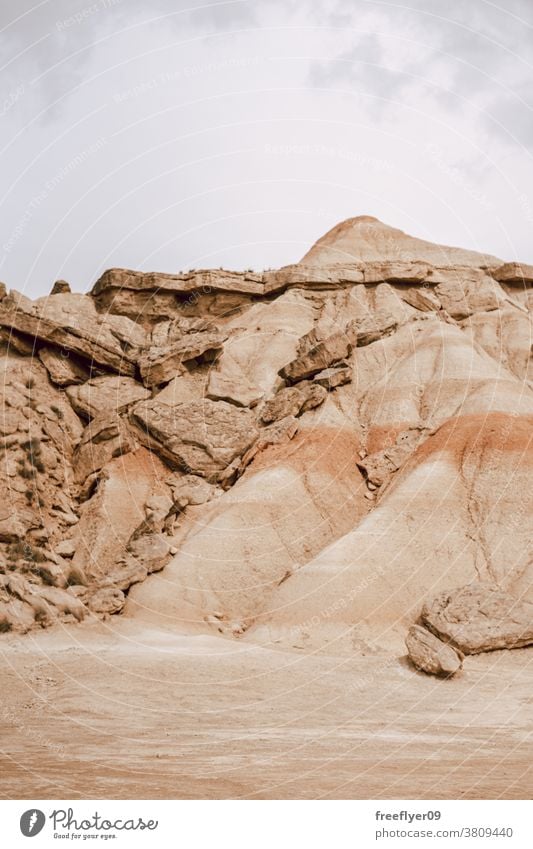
{"points": [[308, 454]]}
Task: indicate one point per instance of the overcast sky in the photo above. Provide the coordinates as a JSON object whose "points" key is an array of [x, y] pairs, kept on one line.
{"points": [[177, 134]]}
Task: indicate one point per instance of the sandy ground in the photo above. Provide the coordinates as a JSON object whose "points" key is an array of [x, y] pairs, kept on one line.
{"points": [[108, 711]]}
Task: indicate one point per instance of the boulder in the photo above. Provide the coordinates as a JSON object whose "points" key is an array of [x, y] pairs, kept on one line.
{"points": [[199, 437], [106, 394], [108, 600], [261, 340], [224, 387], [191, 489], [65, 601], [431, 655], [278, 433], [467, 292], [330, 378], [319, 356], [378, 467], [174, 343], [514, 273], [480, 617], [106, 437], [151, 550], [293, 401], [63, 368], [421, 298]]}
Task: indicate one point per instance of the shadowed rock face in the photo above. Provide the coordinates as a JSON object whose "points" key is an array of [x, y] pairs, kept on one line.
{"points": [[304, 455]]}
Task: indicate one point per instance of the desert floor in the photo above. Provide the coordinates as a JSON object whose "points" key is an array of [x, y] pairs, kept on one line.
{"points": [[108, 711]]}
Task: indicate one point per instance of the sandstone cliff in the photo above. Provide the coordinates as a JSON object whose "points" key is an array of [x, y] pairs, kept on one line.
{"points": [[310, 454]]}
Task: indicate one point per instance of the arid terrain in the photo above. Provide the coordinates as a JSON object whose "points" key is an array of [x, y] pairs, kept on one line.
{"points": [[242, 511], [114, 712]]}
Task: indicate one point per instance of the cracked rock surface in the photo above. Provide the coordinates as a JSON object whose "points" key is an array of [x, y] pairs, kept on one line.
{"points": [[305, 455]]}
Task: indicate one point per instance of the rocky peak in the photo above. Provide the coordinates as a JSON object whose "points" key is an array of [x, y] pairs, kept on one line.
{"points": [[366, 239], [256, 434]]}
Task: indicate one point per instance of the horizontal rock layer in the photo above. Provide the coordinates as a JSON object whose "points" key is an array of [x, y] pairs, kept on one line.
{"points": [[308, 454]]}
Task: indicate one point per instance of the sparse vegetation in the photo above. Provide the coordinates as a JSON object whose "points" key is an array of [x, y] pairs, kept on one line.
{"points": [[57, 411], [41, 617], [44, 575], [33, 452], [25, 552], [24, 471]]}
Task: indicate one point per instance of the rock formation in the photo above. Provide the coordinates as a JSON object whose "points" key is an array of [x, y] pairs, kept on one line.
{"points": [[431, 655], [305, 455]]}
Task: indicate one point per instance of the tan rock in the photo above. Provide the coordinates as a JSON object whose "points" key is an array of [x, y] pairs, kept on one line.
{"points": [[192, 281], [63, 368], [365, 239], [72, 322], [108, 600], [106, 437], [112, 515], [466, 293], [106, 394], [330, 378], [17, 343], [514, 273], [431, 655], [278, 433], [378, 467], [66, 548], [202, 438], [60, 287], [421, 298], [325, 529], [480, 617], [261, 340], [191, 489], [65, 601], [222, 387], [175, 343], [320, 356], [152, 550], [293, 401]]}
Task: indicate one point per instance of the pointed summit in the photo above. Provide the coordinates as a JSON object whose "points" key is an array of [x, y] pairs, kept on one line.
{"points": [[366, 239]]}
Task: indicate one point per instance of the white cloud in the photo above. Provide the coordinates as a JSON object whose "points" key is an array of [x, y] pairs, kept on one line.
{"points": [[237, 134]]}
